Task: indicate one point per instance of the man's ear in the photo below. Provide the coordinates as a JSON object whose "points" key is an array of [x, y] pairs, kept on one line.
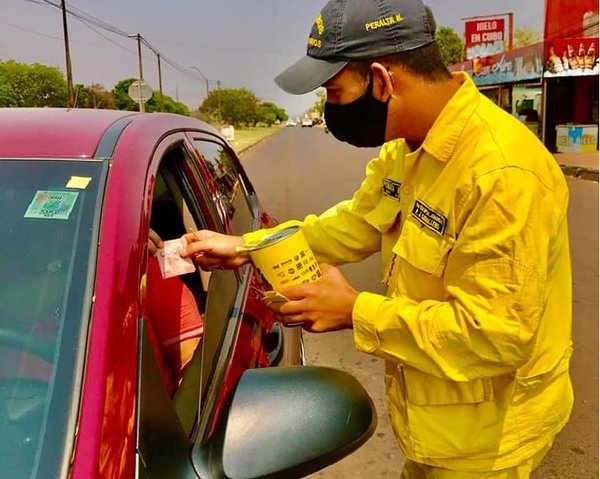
{"points": [[383, 83]]}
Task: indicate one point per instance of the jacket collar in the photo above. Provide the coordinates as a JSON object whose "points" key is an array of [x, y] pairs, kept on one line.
{"points": [[443, 136]]}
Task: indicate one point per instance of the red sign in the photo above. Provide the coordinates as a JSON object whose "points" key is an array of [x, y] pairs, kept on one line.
{"points": [[484, 37], [571, 18]]}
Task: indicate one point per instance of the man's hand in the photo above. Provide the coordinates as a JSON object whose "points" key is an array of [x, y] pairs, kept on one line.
{"points": [[325, 305], [211, 250]]}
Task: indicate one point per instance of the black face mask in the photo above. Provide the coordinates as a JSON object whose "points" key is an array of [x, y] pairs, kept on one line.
{"points": [[361, 123]]}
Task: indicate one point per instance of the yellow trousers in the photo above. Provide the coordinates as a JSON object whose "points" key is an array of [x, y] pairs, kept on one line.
{"points": [[414, 470]]}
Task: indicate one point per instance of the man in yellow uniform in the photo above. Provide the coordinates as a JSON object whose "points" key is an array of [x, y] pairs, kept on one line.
{"points": [[469, 211]]}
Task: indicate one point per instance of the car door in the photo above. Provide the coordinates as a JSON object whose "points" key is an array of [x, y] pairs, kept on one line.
{"points": [[184, 196], [240, 212]]}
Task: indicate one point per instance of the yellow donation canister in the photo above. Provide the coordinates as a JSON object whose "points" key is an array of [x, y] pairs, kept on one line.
{"points": [[284, 258]]}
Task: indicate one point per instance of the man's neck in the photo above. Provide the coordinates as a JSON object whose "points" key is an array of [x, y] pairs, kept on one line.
{"points": [[435, 97]]}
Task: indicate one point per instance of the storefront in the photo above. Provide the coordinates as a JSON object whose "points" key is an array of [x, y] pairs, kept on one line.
{"points": [[571, 76], [512, 80]]}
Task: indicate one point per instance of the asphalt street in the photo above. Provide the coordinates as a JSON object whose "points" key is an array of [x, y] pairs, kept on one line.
{"points": [[299, 171]]}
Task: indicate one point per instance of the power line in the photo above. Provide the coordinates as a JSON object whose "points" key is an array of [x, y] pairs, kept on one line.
{"points": [[19, 27], [76, 12], [222, 49], [108, 39], [96, 24], [53, 37]]}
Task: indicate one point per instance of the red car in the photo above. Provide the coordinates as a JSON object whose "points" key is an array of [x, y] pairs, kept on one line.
{"points": [[82, 392]]}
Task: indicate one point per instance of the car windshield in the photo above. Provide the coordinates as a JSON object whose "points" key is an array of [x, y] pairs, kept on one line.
{"points": [[47, 222]]}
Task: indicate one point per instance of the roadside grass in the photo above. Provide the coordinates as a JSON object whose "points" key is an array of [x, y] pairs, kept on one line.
{"points": [[245, 138]]}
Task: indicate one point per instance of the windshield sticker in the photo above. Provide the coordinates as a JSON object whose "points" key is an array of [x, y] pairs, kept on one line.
{"points": [[80, 182], [55, 205]]}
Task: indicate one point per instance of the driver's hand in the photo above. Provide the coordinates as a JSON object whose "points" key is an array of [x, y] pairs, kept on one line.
{"points": [[154, 242]]}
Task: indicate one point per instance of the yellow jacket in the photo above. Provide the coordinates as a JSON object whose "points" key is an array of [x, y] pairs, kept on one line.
{"points": [[476, 324]]}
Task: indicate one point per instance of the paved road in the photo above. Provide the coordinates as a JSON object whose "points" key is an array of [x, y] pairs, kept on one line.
{"points": [[303, 170]]}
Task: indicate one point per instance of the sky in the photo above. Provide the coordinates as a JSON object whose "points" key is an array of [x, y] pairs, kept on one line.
{"points": [[234, 43]]}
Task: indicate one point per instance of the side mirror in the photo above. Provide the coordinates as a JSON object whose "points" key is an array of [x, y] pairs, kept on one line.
{"points": [[288, 423]]}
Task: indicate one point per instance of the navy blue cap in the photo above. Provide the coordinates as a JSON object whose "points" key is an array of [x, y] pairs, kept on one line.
{"points": [[347, 30]]}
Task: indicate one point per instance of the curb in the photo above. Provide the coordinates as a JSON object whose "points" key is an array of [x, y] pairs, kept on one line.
{"points": [[249, 147], [580, 172]]}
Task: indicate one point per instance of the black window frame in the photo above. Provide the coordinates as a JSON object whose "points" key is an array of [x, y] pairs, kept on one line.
{"points": [[246, 186], [205, 394]]}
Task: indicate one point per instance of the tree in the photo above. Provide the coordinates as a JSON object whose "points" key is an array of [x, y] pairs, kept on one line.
{"points": [[8, 96], [124, 102], [451, 45], [169, 105], [269, 113], [237, 106], [120, 92], [81, 94], [32, 85], [525, 36], [266, 114], [319, 106], [94, 96]]}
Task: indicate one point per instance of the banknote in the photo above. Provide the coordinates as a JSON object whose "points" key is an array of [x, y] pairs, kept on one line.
{"points": [[170, 261], [271, 297]]}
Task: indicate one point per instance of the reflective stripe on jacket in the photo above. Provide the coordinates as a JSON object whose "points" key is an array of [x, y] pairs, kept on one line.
{"points": [[476, 323]]}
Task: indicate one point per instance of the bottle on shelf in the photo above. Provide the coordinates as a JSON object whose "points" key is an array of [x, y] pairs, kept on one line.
{"points": [[590, 57], [581, 56], [555, 64], [565, 60], [573, 62]]}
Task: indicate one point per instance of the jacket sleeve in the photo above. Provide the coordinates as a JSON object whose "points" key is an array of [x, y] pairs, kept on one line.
{"points": [[342, 234], [494, 285]]}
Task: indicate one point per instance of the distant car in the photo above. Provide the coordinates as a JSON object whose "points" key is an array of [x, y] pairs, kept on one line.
{"points": [[307, 122], [81, 390], [290, 123]]}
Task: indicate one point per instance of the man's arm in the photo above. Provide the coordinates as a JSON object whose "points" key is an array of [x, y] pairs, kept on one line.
{"points": [[344, 233], [495, 281]]}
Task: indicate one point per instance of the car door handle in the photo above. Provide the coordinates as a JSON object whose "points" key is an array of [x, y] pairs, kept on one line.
{"points": [[275, 343]]}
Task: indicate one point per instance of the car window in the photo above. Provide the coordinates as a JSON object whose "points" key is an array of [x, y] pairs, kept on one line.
{"points": [[48, 233], [189, 321], [174, 306], [233, 196]]}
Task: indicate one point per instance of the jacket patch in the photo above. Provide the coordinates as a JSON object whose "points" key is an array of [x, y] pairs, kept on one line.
{"points": [[429, 218], [391, 188]]}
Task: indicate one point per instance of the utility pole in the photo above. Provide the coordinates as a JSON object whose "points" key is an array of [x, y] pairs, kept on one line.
{"points": [[204, 78], [71, 102], [219, 100], [139, 42], [138, 37], [160, 82]]}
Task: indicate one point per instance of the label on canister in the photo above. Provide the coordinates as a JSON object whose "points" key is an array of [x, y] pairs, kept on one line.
{"points": [[284, 258]]}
